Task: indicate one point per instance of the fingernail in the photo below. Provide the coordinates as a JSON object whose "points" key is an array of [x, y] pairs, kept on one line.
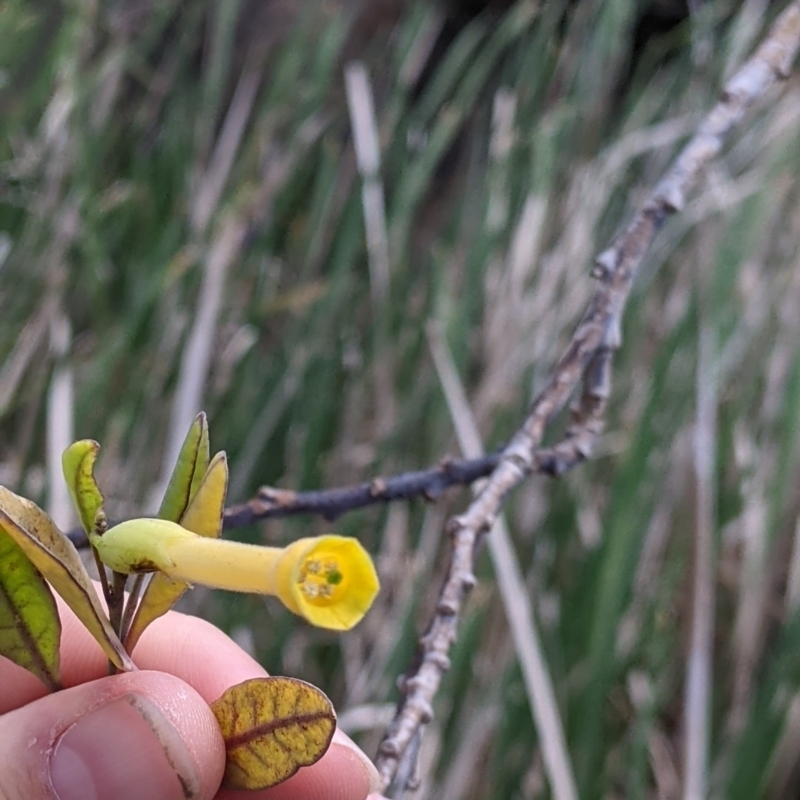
{"points": [[346, 743], [124, 750]]}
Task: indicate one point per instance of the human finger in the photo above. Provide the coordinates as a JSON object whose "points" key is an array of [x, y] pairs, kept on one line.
{"points": [[127, 736], [208, 660]]}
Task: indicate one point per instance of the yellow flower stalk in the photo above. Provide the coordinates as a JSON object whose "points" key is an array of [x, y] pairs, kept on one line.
{"points": [[329, 580]]}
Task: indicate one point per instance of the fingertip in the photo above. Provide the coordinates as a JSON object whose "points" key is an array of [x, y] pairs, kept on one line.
{"points": [[127, 736], [197, 652], [192, 720], [185, 646], [343, 741], [364, 777], [339, 775]]}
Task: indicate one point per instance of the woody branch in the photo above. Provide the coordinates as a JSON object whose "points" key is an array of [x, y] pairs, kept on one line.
{"points": [[587, 360]]}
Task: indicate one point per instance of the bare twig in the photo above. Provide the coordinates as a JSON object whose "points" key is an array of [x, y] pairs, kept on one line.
{"points": [[587, 357], [271, 502], [517, 604]]}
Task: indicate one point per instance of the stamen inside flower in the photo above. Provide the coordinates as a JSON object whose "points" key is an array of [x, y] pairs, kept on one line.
{"points": [[330, 580], [320, 579]]}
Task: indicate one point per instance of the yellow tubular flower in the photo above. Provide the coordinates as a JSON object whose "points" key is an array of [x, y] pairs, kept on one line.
{"points": [[328, 580]]}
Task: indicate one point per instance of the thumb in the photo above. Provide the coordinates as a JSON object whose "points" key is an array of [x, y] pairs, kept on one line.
{"points": [[125, 737]]}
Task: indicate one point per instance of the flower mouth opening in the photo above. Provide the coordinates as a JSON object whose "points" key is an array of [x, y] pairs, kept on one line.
{"points": [[330, 580], [320, 579]]}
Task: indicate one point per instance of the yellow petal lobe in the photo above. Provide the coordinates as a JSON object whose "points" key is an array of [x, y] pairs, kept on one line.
{"points": [[329, 580]]}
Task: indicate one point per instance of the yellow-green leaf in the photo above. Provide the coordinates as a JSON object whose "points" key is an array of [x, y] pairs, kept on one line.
{"points": [[204, 517], [30, 629], [271, 728], [160, 595], [204, 512], [189, 471], [78, 465], [52, 553]]}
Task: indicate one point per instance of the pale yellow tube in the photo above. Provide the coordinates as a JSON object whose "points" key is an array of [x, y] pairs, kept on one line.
{"points": [[330, 580]]}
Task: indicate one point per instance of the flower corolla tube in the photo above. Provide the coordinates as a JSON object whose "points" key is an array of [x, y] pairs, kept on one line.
{"points": [[328, 580]]}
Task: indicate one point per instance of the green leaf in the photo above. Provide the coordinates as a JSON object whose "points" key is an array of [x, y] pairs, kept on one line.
{"points": [[30, 629], [54, 555], [204, 517], [189, 471], [271, 728], [78, 465]]}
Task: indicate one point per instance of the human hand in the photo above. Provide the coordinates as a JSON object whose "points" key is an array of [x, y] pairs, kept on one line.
{"points": [[147, 735]]}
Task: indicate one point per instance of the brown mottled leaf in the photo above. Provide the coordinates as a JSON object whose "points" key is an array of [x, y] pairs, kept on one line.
{"points": [[272, 727], [30, 629], [202, 516], [54, 555]]}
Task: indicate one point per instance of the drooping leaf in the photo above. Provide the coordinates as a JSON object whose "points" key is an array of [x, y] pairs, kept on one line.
{"points": [[189, 471], [271, 728], [203, 516], [54, 555], [30, 628], [78, 465]]}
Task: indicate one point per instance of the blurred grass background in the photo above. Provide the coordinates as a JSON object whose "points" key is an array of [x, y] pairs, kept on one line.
{"points": [[181, 225]]}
